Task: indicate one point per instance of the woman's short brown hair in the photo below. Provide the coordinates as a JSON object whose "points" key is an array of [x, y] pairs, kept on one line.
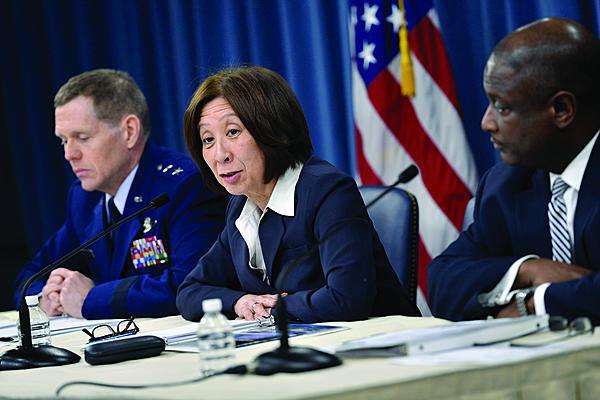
{"points": [[267, 107]]}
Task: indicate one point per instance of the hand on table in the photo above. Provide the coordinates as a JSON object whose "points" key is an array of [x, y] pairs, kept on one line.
{"points": [[252, 307], [511, 311], [537, 271]]}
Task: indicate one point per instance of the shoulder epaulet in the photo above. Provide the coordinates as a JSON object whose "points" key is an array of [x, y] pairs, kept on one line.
{"points": [[169, 169], [175, 169]]}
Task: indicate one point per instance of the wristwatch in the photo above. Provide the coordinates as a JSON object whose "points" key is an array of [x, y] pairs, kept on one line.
{"points": [[521, 298]]}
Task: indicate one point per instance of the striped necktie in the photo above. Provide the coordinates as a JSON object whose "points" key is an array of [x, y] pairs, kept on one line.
{"points": [[557, 216]]}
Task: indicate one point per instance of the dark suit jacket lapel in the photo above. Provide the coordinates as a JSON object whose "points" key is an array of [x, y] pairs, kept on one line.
{"points": [[139, 195], [100, 248], [250, 279], [531, 216], [270, 231], [125, 235], [588, 205], [239, 251]]}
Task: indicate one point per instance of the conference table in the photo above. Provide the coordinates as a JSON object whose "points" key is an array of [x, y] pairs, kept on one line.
{"points": [[571, 373]]}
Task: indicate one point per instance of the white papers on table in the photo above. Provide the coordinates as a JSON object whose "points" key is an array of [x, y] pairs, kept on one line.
{"points": [[189, 331], [497, 354], [60, 325], [252, 334], [445, 337]]}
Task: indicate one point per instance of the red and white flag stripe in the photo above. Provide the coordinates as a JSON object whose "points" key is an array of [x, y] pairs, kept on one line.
{"points": [[393, 131]]}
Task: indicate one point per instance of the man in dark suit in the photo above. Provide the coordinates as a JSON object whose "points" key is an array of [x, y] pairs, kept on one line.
{"points": [[534, 245], [102, 121]]}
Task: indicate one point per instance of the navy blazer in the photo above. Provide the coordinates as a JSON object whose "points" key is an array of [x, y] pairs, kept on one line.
{"points": [[511, 221], [187, 226], [348, 278]]}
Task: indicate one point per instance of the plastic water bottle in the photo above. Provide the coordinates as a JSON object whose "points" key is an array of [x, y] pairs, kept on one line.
{"points": [[216, 342], [40, 325]]}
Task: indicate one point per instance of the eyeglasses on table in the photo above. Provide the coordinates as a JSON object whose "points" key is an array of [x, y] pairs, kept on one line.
{"points": [[105, 331]]}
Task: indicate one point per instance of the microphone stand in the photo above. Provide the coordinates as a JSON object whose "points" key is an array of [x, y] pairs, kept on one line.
{"points": [[288, 358], [28, 356], [294, 359]]}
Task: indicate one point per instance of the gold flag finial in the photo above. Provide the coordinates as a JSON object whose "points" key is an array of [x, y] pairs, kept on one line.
{"points": [[406, 68]]}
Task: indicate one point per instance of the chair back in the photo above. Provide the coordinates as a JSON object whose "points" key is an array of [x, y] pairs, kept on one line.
{"points": [[396, 220]]}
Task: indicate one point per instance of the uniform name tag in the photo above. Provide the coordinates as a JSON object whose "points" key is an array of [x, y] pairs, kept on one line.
{"points": [[148, 251]]}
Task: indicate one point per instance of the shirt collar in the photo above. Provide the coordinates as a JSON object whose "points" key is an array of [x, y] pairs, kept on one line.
{"points": [[573, 174], [282, 197], [123, 191]]}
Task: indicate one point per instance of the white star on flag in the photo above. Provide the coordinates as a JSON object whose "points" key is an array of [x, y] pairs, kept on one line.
{"points": [[370, 16], [395, 18], [367, 54]]}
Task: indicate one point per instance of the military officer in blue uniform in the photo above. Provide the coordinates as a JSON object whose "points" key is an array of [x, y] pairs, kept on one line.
{"points": [[101, 118]]}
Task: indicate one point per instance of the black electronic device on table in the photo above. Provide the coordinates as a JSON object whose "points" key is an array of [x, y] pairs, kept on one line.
{"points": [[27, 356]]}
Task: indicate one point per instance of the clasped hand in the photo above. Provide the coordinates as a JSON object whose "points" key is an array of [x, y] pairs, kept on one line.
{"points": [[65, 292], [252, 307]]}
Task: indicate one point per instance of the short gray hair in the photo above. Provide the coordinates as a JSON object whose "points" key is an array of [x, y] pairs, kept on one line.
{"points": [[114, 93]]}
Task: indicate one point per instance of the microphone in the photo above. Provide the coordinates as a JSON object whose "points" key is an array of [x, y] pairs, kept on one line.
{"points": [[405, 176], [158, 201], [26, 355], [301, 359]]}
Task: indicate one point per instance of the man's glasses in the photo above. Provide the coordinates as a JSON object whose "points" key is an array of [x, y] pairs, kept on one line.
{"points": [[578, 326], [104, 331], [559, 329]]}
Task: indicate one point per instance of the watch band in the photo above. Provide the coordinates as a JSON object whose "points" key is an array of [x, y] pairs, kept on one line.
{"points": [[521, 299]]}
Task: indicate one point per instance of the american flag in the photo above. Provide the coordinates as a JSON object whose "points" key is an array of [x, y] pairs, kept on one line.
{"points": [[393, 130]]}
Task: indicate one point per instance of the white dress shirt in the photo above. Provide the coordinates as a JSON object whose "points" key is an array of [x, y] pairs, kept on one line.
{"points": [[281, 202], [120, 197]]}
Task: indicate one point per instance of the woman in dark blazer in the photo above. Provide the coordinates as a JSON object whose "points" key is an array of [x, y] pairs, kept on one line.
{"points": [[245, 129]]}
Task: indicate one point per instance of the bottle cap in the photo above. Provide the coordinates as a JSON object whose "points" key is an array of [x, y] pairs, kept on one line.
{"points": [[31, 300], [212, 305]]}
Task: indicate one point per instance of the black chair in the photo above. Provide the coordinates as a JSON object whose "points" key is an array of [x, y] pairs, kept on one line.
{"points": [[396, 220]]}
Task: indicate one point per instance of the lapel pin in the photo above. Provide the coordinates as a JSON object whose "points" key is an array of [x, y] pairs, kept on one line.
{"points": [[137, 199], [177, 171], [168, 167], [159, 167]]}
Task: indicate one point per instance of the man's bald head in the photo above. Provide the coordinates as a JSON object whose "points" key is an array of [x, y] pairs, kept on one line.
{"points": [[553, 54]]}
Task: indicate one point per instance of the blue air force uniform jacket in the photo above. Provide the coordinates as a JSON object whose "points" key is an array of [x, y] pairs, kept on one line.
{"points": [[186, 226], [349, 277], [511, 221]]}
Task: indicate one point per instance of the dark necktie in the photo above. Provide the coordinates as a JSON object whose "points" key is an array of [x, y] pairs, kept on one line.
{"points": [[113, 217], [113, 212]]}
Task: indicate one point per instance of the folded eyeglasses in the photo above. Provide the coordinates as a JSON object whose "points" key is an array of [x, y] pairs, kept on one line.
{"points": [[105, 331]]}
